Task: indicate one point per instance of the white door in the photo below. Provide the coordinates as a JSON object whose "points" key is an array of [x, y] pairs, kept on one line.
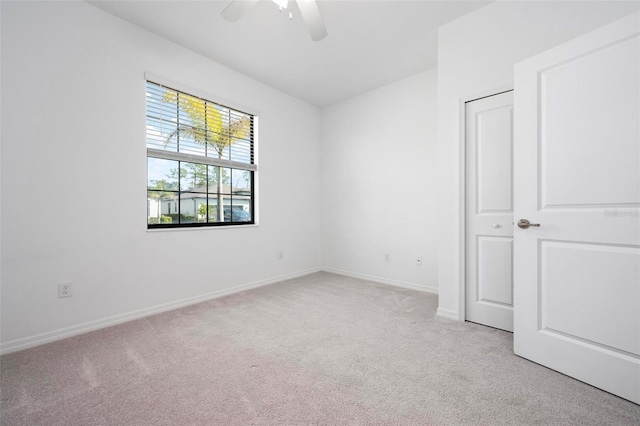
{"points": [[577, 174], [489, 211]]}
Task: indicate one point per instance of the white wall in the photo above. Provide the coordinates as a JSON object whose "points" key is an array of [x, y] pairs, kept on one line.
{"points": [[379, 157], [362, 172], [73, 138], [476, 54]]}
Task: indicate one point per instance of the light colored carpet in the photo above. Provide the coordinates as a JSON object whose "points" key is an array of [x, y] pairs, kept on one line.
{"points": [[317, 350]]}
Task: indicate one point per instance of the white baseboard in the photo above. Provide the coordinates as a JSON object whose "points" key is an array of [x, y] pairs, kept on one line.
{"points": [[395, 283], [63, 333], [447, 313]]}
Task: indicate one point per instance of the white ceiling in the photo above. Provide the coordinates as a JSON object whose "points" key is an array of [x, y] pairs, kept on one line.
{"points": [[370, 43]]}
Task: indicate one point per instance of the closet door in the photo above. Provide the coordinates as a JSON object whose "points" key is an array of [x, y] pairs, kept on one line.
{"points": [[489, 211]]}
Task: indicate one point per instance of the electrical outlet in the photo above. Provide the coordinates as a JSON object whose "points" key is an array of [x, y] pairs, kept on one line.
{"points": [[419, 260], [387, 257], [65, 290], [280, 255]]}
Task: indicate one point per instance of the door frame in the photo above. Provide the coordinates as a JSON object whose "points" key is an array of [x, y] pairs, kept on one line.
{"points": [[462, 191]]}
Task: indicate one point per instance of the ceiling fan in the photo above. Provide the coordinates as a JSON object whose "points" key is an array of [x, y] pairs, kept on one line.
{"points": [[308, 9]]}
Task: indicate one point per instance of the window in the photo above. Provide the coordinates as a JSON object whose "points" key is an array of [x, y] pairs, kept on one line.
{"points": [[200, 159]]}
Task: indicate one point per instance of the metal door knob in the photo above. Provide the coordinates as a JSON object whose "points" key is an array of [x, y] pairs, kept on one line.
{"points": [[524, 224]]}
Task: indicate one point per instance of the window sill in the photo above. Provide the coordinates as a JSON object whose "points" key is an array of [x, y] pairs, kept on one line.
{"points": [[201, 228]]}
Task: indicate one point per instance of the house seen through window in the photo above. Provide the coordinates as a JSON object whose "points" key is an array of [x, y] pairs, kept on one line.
{"points": [[200, 161]]}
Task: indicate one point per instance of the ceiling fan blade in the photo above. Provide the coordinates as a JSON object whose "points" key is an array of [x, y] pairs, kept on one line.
{"points": [[311, 17], [236, 9]]}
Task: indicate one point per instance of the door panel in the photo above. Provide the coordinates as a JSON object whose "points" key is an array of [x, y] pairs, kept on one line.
{"points": [[590, 289], [495, 276], [577, 174], [489, 217], [607, 172], [494, 172]]}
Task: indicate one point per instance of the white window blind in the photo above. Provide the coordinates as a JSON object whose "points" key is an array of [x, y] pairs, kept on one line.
{"points": [[197, 130]]}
